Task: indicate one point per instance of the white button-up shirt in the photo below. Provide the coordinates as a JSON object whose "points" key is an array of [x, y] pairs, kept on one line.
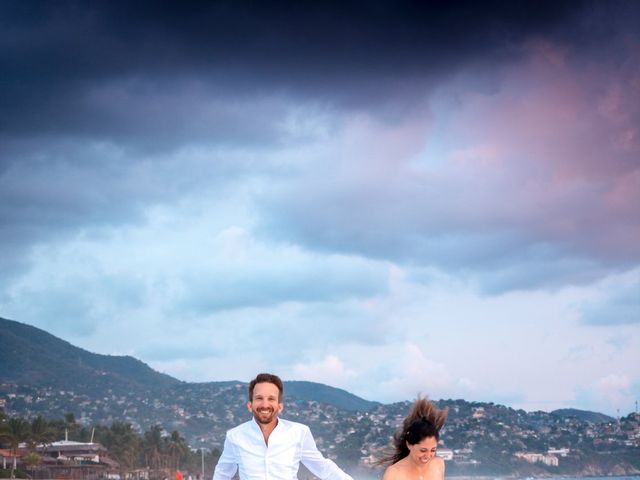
{"points": [[289, 444]]}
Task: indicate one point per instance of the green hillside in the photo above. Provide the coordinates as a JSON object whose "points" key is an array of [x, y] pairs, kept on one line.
{"points": [[326, 394], [584, 415], [31, 356]]}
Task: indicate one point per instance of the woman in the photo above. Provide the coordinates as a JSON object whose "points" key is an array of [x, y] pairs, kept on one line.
{"points": [[415, 445]]}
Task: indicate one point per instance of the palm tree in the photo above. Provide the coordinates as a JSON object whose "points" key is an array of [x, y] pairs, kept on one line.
{"points": [[32, 460], [125, 445], [153, 447], [14, 431], [177, 449], [72, 427], [41, 431]]}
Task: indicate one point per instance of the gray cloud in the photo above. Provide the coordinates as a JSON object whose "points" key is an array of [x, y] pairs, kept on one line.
{"points": [[303, 281], [98, 100], [305, 326], [449, 223], [75, 302], [53, 191], [620, 308], [191, 348]]}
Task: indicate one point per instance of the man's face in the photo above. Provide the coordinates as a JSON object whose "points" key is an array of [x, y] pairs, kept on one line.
{"points": [[265, 404]]}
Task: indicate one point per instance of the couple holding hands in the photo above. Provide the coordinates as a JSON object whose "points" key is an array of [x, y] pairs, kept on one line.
{"points": [[271, 448]]}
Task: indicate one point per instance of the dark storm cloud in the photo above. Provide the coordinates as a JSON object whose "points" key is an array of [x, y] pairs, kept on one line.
{"points": [[152, 77], [114, 69], [95, 97]]}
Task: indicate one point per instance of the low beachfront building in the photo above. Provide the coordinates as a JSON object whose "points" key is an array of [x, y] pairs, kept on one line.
{"points": [[76, 460], [550, 460], [445, 453], [562, 452]]}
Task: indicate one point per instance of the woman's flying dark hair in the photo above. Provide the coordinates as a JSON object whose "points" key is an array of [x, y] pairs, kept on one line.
{"points": [[424, 421]]}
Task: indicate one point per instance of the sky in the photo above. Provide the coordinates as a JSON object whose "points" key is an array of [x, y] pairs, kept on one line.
{"points": [[393, 198]]}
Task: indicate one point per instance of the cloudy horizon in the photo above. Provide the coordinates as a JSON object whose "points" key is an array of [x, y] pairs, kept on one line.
{"points": [[391, 198]]}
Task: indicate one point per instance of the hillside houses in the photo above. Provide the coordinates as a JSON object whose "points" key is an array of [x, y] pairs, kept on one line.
{"points": [[481, 437]]}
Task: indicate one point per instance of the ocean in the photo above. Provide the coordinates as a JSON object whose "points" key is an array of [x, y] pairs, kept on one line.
{"points": [[626, 477]]}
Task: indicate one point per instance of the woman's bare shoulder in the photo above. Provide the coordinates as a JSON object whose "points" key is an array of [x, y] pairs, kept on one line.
{"points": [[395, 472], [436, 468], [390, 473]]}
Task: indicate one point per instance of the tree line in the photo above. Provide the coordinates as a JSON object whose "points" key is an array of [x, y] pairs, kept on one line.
{"points": [[161, 452]]}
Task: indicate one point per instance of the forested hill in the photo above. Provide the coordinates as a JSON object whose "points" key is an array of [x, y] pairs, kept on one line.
{"points": [[31, 356], [593, 417], [326, 394]]}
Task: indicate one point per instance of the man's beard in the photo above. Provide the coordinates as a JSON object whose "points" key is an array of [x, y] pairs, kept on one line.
{"points": [[265, 417]]}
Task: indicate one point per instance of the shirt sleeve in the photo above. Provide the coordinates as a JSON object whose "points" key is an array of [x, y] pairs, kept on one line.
{"points": [[227, 463], [317, 464]]}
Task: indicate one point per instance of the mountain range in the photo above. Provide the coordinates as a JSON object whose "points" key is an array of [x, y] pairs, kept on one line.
{"points": [[41, 374], [33, 357]]}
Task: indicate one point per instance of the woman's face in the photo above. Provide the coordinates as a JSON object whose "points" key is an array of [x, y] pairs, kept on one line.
{"points": [[424, 451]]}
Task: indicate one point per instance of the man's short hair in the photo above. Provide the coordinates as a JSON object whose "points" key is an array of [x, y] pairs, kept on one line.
{"points": [[267, 378]]}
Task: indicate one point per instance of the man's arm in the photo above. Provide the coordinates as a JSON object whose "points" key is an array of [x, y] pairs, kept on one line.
{"points": [[227, 463], [317, 464]]}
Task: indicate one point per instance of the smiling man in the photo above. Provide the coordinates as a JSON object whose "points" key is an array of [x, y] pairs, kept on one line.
{"points": [[269, 447]]}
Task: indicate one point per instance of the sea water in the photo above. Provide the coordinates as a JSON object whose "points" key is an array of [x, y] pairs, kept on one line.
{"points": [[624, 477]]}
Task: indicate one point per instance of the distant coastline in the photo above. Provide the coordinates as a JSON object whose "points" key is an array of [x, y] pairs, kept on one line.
{"points": [[546, 477]]}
